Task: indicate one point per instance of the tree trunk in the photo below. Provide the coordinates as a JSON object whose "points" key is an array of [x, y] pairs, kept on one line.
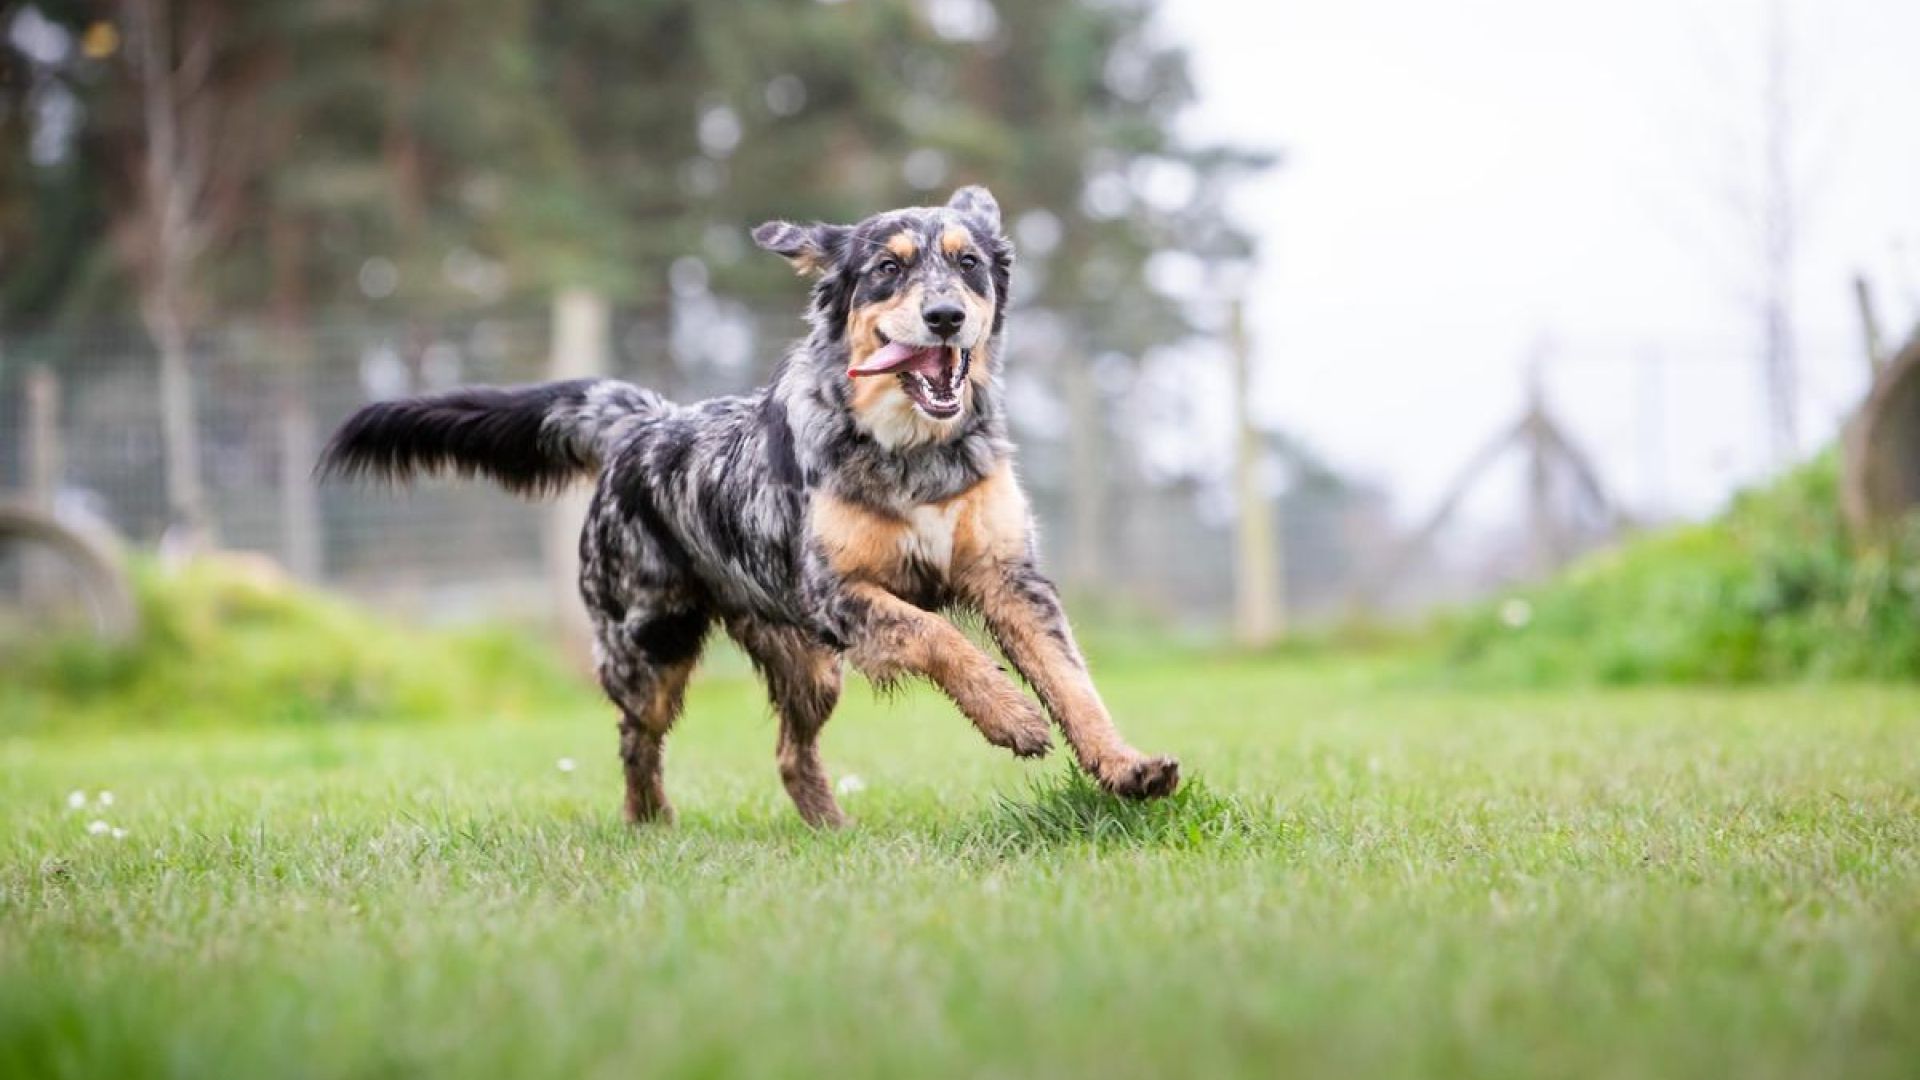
{"points": [[179, 426], [169, 195]]}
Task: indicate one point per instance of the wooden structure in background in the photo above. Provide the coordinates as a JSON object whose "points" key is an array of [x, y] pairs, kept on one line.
{"points": [[1551, 459], [1880, 477]]}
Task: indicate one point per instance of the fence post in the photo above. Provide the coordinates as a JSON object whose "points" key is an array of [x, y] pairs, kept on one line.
{"points": [[43, 437], [1257, 604], [581, 321], [299, 495]]}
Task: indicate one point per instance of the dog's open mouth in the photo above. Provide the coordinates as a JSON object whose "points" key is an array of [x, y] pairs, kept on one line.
{"points": [[933, 375]]}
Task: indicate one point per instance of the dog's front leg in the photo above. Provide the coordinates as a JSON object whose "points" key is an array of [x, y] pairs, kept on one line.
{"points": [[1024, 614], [890, 638]]}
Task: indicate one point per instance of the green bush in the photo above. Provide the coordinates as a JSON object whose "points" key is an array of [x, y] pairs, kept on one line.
{"points": [[222, 643], [1776, 588]]}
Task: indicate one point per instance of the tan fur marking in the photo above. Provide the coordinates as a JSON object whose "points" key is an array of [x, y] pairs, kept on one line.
{"points": [[985, 523], [803, 679], [860, 544], [902, 245], [955, 240], [641, 739], [808, 262], [994, 526], [863, 323]]}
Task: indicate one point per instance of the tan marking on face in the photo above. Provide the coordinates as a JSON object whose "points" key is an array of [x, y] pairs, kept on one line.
{"points": [[955, 240], [863, 323], [980, 316], [903, 247]]}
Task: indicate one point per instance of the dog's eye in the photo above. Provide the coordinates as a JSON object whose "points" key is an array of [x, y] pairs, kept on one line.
{"points": [[969, 261], [886, 267]]}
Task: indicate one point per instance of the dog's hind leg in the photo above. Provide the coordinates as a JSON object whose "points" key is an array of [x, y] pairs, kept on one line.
{"points": [[803, 678], [644, 664]]}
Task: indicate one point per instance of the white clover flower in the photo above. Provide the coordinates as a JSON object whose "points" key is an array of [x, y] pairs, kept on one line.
{"points": [[106, 798], [119, 833], [850, 784], [566, 764], [76, 800], [1516, 613], [96, 827]]}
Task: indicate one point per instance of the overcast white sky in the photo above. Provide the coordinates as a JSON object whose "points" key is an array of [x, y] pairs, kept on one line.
{"points": [[1465, 179]]}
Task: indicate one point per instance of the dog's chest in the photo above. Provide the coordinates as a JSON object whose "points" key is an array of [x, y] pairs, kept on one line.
{"points": [[928, 534], [931, 540]]}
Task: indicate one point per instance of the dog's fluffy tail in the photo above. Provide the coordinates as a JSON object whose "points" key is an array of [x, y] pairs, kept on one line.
{"points": [[532, 440]]}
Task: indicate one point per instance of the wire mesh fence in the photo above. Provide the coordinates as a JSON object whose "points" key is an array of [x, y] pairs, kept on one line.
{"points": [[1110, 523]]}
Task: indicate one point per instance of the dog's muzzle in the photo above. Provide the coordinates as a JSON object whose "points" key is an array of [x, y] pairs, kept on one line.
{"points": [[932, 375]]}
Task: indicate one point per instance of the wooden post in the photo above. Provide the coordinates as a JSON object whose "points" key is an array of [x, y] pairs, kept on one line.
{"points": [[299, 495], [42, 580], [43, 438], [1869, 327], [1541, 527], [581, 321], [1257, 601]]}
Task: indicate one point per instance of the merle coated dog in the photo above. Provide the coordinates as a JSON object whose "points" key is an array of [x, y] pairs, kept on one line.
{"points": [[828, 515]]}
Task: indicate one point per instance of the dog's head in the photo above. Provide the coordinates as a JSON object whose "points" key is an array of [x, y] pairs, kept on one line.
{"points": [[917, 295]]}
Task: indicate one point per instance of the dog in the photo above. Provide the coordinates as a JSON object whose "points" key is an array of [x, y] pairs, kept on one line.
{"points": [[829, 516]]}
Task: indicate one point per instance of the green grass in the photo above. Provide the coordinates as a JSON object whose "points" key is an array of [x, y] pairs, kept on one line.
{"points": [[1777, 588], [224, 644], [1361, 880]]}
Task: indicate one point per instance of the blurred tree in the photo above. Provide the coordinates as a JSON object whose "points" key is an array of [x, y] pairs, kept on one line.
{"points": [[174, 140], [694, 118], [598, 140], [698, 120], [52, 221], [413, 158]]}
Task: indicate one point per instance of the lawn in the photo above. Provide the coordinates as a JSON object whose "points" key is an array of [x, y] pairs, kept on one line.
{"points": [[1368, 878]]}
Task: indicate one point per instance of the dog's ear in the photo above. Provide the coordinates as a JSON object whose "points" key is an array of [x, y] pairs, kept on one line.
{"points": [[979, 202], [812, 249]]}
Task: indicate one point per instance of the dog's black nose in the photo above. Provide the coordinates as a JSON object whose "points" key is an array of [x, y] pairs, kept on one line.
{"points": [[944, 318]]}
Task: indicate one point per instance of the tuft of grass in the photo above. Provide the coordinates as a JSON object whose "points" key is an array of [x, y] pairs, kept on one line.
{"points": [[1067, 807]]}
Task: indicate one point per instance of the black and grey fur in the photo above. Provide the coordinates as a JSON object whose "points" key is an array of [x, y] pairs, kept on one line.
{"points": [[805, 517]]}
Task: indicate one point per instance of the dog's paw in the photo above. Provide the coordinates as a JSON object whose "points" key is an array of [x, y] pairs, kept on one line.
{"points": [[1146, 778], [1020, 726]]}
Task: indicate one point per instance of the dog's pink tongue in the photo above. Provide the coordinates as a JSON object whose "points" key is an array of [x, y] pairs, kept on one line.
{"points": [[893, 358]]}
